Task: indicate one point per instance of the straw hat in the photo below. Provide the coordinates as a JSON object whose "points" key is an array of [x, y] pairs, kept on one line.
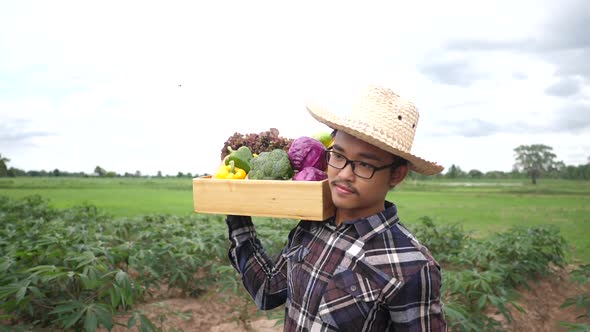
{"points": [[383, 119]]}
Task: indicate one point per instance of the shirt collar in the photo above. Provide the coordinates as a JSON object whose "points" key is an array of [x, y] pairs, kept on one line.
{"points": [[375, 224]]}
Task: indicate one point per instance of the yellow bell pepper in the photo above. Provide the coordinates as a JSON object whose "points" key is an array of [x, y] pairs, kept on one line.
{"points": [[230, 172]]}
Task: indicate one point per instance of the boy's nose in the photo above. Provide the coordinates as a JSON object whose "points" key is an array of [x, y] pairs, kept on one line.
{"points": [[347, 173]]}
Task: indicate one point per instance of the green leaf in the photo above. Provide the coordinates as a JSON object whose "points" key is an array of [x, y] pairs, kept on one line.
{"points": [[105, 317], [7, 291], [146, 324], [90, 321], [88, 284], [66, 307], [41, 269], [115, 296], [131, 321], [518, 307], [72, 319], [6, 264], [85, 259], [121, 277], [21, 293], [482, 302], [36, 292], [576, 327]]}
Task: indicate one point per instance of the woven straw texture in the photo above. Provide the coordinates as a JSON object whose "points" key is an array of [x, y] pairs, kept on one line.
{"points": [[384, 119]]}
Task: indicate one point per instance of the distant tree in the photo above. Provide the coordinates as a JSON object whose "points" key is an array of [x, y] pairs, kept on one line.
{"points": [[179, 175], [138, 174], [515, 174], [585, 171], [558, 170], [475, 174], [580, 172], [494, 175], [100, 171], [159, 174], [40, 173], [110, 174], [56, 172], [197, 175], [535, 160], [13, 172], [3, 168], [417, 176], [455, 172]]}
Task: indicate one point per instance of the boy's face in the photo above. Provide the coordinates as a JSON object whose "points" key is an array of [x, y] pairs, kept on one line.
{"points": [[356, 196]]}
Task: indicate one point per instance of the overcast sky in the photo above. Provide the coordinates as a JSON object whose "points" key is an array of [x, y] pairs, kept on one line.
{"points": [[154, 86]]}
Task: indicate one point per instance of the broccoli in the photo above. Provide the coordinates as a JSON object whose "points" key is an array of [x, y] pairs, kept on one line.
{"points": [[273, 165]]}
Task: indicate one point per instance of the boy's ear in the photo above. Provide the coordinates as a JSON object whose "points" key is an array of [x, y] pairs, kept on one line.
{"points": [[398, 175]]}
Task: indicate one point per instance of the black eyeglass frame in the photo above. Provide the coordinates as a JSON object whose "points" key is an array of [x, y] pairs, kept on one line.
{"points": [[352, 163]]}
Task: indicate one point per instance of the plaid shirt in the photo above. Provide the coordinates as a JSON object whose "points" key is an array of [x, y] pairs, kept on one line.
{"points": [[366, 275]]}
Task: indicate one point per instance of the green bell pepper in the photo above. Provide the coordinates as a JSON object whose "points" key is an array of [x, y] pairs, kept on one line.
{"points": [[241, 157]]}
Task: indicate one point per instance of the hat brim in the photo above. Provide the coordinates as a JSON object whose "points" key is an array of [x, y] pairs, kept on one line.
{"points": [[364, 133]]}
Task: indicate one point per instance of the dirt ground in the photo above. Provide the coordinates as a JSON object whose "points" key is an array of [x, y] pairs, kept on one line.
{"points": [[209, 313], [542, 305], [215, 313]]}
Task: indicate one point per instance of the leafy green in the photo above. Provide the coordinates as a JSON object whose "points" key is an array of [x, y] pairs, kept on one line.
{"points": [[79, 268]]}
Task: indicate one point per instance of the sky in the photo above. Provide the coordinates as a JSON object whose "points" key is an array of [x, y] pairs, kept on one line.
{"points": [[159, 86]]}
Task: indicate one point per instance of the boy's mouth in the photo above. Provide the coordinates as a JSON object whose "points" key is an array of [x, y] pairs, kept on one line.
{"points": [[343, 187]]}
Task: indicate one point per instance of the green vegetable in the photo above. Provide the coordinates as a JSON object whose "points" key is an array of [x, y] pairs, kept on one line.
{"points": [[273, 165], [241, 157]]}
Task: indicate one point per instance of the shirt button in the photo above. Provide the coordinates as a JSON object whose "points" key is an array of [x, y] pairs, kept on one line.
{"points": [[353, 288]]}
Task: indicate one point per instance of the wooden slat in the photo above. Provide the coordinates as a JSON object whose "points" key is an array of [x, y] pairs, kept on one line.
{"points": [[307, 200]]}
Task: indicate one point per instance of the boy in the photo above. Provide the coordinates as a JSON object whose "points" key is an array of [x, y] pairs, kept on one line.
{"points": [[360, 270]]}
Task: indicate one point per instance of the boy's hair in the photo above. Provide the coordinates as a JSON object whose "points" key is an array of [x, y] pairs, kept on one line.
{"points": [[333, 134]]}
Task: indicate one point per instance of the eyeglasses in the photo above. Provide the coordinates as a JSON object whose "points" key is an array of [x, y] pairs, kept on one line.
{"points": [[359, 168]]}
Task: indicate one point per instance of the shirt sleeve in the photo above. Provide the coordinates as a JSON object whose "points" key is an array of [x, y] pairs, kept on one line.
{"points": [[417, 305], [263, 278]]}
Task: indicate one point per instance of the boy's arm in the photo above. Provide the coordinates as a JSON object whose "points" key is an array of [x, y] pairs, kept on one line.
{"points": [[265, 280], [417, 305]]}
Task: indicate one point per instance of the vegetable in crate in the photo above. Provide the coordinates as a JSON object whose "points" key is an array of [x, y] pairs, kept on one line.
{"points": [[310, 174], [241, 157], [307, 152], [274, 165], [324, 137], [230, 172], [265, 141]]}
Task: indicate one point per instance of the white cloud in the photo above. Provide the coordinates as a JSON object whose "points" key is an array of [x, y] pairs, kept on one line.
{"points": [[150, 86]]}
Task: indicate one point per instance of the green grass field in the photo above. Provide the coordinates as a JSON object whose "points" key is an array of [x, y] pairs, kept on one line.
{"points": [[121, 197], [487, 207], [482, 207]]}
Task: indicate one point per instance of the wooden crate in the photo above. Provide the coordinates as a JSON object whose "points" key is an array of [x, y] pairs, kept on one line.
{"points": [[306, 200]]}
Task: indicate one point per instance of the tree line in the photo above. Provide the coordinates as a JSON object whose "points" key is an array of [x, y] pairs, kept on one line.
{"points": [[6, 171], [532, 161]]}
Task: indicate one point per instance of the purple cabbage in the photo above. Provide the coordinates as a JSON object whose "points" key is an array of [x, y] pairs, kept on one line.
{"points": [[310, 174], [307, 152]]}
